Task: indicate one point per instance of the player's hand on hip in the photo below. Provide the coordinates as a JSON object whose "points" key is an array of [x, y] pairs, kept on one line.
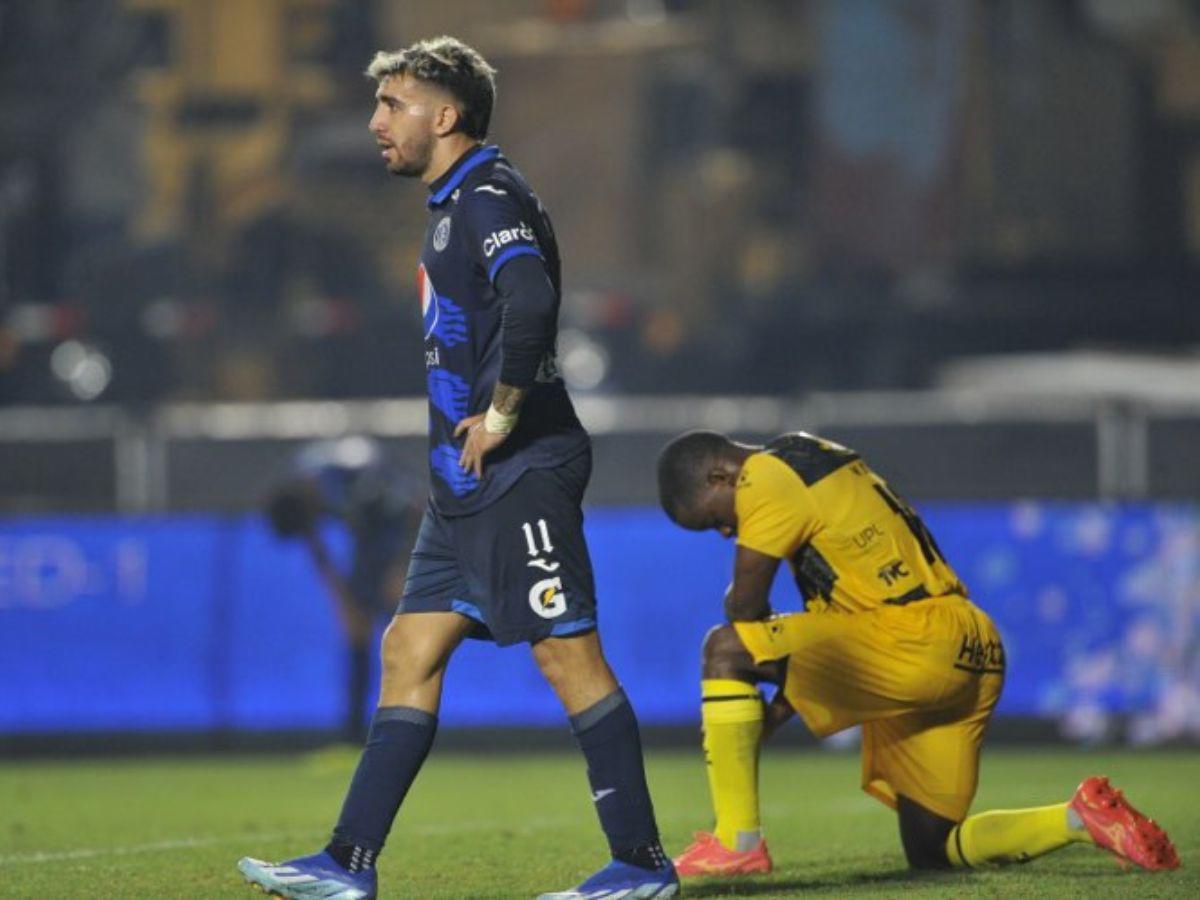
{"points": [[479, 443]]}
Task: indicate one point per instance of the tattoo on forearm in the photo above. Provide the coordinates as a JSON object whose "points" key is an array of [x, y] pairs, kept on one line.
{"points": [[508, 399]]}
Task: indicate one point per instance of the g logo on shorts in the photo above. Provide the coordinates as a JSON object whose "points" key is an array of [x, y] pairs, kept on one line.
{"points": [[546, 598]]}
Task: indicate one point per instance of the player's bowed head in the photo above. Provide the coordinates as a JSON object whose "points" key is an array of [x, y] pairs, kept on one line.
{"points": [[697, 477]]}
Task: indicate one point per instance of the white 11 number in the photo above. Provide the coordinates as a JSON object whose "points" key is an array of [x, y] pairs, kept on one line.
{"points": [[531, 540]]}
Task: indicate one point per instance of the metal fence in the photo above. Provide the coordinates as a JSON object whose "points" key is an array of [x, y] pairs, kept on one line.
{"points": [[931, 445]]}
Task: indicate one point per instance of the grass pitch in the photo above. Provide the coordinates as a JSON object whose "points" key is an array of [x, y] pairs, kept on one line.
{"points": [[511, 825]]}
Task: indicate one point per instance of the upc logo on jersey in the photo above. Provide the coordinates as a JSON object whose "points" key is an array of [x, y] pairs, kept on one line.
{"points": [[546, 598], [505, 236]]}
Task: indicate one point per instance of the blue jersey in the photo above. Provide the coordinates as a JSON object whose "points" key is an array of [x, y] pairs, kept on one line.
{"points": [[482, 214]]}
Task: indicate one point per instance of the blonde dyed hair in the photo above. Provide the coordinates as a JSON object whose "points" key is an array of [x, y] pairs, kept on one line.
{"points": [[450, 64]]}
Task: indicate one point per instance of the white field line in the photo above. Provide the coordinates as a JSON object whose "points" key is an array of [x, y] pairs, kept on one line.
{"points": [[252, 837], [44, 856]]}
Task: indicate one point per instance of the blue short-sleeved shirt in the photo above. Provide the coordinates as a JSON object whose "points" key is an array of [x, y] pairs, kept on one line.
{"points": [[482, 214]]}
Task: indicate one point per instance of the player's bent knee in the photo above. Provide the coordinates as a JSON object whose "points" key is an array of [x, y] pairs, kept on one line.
{"points": [[723, 655], [409, 656], [576, 669], [391, 651], [578, 657], [551, 662]]}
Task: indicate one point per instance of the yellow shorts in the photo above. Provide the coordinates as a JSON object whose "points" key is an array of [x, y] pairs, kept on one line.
{"points": [[921, 679]]}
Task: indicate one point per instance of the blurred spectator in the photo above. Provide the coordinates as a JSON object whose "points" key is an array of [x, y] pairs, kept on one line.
{"points": [[350, 481], [892, 186]]}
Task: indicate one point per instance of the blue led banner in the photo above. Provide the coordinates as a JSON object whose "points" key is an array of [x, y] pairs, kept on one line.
{"points": [[196, 623]]}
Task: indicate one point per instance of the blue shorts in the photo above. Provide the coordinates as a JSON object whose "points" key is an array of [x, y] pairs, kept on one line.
{"points": [[518, 568]]}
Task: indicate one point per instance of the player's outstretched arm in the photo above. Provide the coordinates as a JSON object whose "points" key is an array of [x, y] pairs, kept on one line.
{"points": [[356, 624]]}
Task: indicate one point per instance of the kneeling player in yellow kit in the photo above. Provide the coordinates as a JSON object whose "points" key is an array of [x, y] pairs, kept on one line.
{"points": [[889, 641]]}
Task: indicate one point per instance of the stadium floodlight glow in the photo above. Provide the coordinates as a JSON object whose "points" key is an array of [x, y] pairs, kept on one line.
{"points": [[66, 359], [584, 361], [85, 370], [93, 376]]}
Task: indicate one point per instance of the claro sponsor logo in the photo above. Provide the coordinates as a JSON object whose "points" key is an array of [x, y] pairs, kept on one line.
{"points": [[505, 236]]}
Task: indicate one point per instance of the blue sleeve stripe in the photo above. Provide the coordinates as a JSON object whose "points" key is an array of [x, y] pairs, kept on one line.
{"points": [[510, 253]]}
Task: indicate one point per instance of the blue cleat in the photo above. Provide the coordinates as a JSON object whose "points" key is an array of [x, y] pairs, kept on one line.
{"points": [[316, 876], [619, 879]]}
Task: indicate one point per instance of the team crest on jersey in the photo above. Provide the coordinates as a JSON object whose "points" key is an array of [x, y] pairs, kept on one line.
{"points": [[441, 235]]}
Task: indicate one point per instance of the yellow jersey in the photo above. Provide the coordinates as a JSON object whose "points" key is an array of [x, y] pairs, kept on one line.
{"points": [[853, 544]]}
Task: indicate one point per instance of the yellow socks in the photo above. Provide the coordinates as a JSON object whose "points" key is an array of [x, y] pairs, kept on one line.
{"points": [[732, 714], [1012, 835]]}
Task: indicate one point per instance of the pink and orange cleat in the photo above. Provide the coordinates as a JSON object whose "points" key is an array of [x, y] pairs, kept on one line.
{"points": [[707, 856], [1120, 829]]}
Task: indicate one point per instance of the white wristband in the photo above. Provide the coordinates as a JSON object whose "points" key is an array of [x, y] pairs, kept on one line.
{"points": [[496, 422]]}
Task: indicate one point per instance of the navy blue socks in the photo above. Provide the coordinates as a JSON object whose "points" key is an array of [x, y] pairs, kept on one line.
{"points": [[608, 734], [400, 739], [397, 744]]}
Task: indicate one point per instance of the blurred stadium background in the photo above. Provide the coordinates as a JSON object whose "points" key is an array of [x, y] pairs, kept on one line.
{"points": [[960, 236]]}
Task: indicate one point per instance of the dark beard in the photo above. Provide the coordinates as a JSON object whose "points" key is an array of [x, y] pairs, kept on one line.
{"points": [[407, 170], [413, 168]]}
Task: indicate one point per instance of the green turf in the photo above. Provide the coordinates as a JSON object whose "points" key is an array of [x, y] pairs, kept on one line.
{"points": [[510, 826]]}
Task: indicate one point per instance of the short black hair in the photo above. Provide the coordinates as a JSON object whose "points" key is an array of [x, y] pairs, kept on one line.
{"points": [[683, 467], [451, 65]]}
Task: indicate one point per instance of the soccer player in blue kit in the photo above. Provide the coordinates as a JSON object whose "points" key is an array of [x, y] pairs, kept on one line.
{"points": [[500, 554]]}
